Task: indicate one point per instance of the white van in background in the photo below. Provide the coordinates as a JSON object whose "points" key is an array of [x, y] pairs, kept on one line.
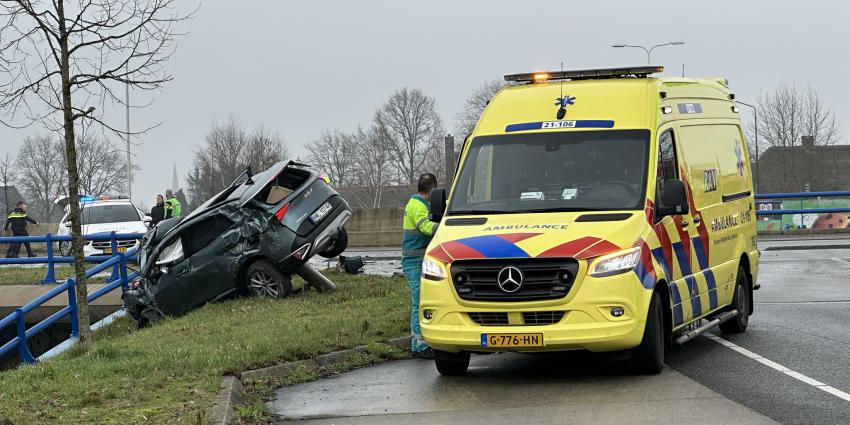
{"points": [[104, 216]]}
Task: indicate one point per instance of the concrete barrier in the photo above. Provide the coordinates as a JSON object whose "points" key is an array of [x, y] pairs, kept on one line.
{"points": [[375, 227]]}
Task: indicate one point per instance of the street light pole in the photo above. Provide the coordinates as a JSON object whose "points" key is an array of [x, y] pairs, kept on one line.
{"points": [[649, 50], [756, 126]]}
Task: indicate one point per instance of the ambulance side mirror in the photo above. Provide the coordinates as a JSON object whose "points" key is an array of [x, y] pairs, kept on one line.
{"points": [[674, 199], [438, 205]]}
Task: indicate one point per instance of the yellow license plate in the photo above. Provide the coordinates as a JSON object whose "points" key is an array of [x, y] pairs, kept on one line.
{"points": [[108, 251], [511, 340]]}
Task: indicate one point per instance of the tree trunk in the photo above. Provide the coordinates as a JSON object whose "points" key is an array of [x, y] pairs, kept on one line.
{"points": [[73, 180]]}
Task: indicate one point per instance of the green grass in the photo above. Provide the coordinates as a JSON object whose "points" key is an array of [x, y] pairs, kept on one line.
{"points": [[12, 275], [170, 373]]}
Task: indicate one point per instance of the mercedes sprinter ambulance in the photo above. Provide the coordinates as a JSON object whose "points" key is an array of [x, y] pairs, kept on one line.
{"points": [[600, 209]]}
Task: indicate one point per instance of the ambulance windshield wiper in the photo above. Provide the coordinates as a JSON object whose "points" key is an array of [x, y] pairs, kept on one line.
{"points": [[480, 212], [560, 209]]}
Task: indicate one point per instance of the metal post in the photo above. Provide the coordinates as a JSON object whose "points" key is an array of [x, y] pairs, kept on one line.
{"points": [[122, 259], [450, 155], [113, 244], [23, 349], [127, 104], [72, 307], [49, 277]]}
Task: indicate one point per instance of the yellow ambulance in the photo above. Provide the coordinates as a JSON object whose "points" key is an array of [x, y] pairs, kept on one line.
{"points": [[602, 209]]}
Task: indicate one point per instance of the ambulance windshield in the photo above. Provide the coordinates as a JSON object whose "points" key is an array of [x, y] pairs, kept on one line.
{"points": [[557, 171]]}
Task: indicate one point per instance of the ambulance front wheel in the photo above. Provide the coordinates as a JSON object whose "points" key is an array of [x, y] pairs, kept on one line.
{"points": [[740, 302], [451, 364], [648, 357]]}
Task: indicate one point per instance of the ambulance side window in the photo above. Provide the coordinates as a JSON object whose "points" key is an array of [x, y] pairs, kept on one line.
{"points": [[667, 168]]}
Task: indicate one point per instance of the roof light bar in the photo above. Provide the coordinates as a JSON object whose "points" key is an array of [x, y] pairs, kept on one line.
{"points": [[584, 74]]}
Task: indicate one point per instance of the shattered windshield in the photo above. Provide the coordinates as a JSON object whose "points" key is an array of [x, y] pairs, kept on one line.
{"points": [[559, 171]]}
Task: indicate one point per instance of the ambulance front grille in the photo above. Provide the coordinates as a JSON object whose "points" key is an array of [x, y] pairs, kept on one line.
{"points": [[529, 318], [542, 278], [537, 318], [489, 319]]}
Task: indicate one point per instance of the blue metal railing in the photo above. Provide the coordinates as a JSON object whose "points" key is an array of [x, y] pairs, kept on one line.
{"points": [[51, 260], [766, 198], [23, 334]]}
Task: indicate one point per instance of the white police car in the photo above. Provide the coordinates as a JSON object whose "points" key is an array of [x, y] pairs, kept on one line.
{"points": [[104, 216]]}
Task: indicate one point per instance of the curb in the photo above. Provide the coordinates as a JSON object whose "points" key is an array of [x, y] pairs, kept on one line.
{"points": [[230, 393]]}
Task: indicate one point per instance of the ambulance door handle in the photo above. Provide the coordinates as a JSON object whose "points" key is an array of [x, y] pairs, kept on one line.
{"points": [[684, 224]]}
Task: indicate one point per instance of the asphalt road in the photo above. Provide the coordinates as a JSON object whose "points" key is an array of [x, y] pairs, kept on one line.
{"points": [[791, 366], [801, 321]]}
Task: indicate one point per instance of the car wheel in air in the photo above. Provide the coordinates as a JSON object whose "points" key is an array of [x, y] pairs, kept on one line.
{"points": [[648, 357], [337, 246], [264, 279], [740, 302], [65, 248], [451, 364]]}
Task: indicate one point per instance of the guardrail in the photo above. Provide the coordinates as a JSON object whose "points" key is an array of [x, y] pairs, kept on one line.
{"points": [[51, 260], [69, 286], [765, 198]]}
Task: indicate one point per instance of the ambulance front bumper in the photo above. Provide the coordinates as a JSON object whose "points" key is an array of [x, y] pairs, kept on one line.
{"points": [[587, 323]]}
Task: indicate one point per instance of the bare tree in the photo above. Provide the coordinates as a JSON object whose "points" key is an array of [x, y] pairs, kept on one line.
{"points": [[228, 150], [333, 153], [785, 117], [467, 118], [8, 176], [59, 58], [40, 165], [372, 161], [412, 128], [102, 165]]}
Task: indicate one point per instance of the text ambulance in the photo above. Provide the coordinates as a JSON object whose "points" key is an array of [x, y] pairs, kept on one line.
{"points": [[600, 209]]}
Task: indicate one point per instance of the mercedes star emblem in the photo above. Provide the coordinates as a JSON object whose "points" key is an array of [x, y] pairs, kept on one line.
{"points": [[509, 279]]}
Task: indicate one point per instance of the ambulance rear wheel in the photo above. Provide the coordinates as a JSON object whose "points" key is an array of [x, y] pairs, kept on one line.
{"points": [[648, 357], [451, 364], [740, 302]]}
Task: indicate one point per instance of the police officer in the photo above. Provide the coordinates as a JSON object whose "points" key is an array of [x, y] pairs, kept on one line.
{"points": [[173, 209], [17, 221], [158, 211], [418, 231]]}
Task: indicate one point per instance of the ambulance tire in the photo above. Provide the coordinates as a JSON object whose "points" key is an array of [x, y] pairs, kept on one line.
{"points": [[740, 302], [451, 364], [648, 357]]}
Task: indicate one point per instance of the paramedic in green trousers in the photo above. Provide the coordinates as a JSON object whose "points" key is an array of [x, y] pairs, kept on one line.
{"points": [[418, 231]]}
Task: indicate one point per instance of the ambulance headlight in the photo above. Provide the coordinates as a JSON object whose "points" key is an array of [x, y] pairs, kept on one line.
{"points": [[432, 270], [616, 263]]}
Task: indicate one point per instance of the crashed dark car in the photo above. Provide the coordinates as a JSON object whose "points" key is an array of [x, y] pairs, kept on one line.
{"points": [[248, 239]]}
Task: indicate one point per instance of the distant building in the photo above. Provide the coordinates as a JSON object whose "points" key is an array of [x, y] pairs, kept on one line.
{"points": [[805, 167], [13, 197]]}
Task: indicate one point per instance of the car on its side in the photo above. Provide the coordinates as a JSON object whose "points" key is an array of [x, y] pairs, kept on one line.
{"points": [[249, 239], [104, 216]]}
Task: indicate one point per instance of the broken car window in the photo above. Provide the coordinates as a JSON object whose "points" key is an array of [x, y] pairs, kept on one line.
{"points": [[171, 254]]}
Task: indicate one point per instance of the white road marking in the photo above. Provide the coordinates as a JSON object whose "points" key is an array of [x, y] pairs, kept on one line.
{"points": [[841, 260], [773, 365]]}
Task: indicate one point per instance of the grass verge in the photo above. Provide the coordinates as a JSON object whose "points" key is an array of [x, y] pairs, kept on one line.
{"points": [[12, 275], [170, 373]]}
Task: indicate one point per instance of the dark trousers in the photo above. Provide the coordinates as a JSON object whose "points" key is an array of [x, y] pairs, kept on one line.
{"points": [[15, 247]]}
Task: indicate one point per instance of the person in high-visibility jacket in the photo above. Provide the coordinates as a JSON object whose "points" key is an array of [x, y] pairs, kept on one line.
{"points": [[418, 231], [173, 209], [17, 221]]}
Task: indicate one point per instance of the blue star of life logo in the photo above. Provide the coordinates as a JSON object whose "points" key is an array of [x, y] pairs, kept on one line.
{"points": [[740, 154], [565, 100]]}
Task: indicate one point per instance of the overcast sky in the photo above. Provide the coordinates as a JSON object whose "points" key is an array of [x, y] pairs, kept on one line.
{"points": [[303, 67]]}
